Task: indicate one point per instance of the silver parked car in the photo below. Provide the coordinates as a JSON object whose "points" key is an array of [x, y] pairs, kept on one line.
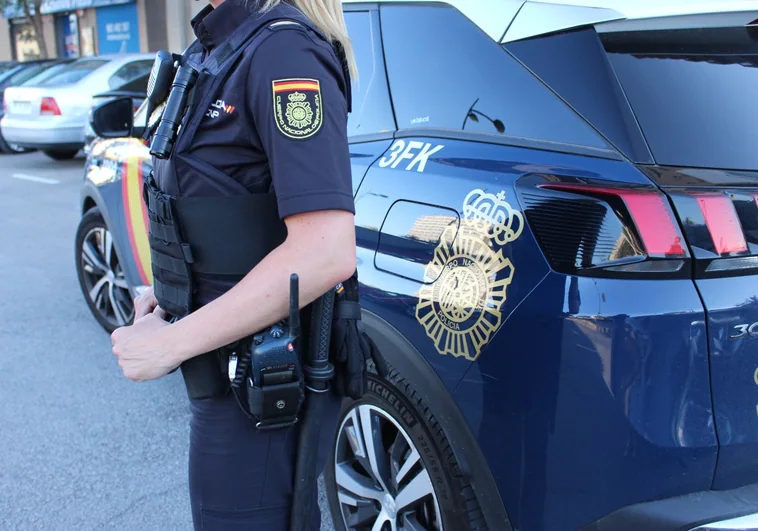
{"points": [[51, 114]]}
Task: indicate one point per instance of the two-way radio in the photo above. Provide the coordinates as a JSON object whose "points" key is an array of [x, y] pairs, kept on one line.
{"points": [[272, 372]]}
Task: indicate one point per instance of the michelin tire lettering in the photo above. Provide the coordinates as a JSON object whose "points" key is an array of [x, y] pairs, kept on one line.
{"points": [[416, 153], [462, 309]]}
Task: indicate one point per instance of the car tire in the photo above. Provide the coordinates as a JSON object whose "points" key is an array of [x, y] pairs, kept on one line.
{"points": [[100, 275], [407, 429], [61, 155]]}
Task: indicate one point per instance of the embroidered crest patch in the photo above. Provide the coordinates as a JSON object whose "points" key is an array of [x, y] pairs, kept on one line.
{"points": [[297, 107]]}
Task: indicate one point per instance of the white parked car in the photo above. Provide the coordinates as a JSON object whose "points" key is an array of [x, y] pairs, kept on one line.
{"points": [[51, 115]]}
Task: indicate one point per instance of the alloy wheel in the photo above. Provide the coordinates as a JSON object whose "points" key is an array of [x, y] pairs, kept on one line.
{"points": [[382, 483], [105, 282]]}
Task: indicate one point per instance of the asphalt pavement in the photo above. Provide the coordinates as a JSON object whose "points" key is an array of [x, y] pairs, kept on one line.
{"points": [[81, 447]]}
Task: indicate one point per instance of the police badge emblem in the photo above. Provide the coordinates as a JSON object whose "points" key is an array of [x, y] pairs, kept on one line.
{"points": [[297, 107], [466, 284]]}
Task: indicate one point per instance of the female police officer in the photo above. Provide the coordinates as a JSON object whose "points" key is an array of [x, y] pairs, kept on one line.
{"points": [[275, 124]]}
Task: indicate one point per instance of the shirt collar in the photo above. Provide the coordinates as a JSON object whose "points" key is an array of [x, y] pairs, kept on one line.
{"points": [[214, 26]]}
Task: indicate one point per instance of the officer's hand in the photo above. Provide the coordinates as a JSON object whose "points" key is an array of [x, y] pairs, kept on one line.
{"points": [[145, 304], [142, 352]]}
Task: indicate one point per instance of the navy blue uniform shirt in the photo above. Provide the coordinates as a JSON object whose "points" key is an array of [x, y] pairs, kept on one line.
{"points": [[280, 120], [278, 123]]}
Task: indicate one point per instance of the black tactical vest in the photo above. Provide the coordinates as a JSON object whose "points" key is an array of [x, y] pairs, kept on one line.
{"points": [[224, 229]]}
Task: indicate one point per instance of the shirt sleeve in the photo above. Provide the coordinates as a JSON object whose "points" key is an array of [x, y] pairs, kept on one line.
{"points": [[300, 116]]}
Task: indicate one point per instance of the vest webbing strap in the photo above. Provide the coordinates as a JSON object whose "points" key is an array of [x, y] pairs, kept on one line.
{"points": [[170, 293], [167, 262], [162, 231]]}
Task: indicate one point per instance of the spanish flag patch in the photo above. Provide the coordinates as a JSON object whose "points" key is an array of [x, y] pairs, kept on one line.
{"points": [[297, 106]]}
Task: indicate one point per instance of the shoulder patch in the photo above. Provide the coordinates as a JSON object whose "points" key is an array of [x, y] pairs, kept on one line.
{"points": [[298, 107]]}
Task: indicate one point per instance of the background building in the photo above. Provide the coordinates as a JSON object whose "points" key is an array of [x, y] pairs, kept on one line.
{"points": [[81, 28], [179, 32]]}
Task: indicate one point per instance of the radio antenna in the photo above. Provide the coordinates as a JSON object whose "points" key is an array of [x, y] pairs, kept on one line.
{"points": [[294, 320]]}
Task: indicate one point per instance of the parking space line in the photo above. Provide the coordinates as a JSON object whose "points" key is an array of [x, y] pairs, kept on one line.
{"points": [[34, 178]]}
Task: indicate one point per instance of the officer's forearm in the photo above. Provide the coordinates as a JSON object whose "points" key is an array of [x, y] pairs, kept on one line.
{"points": [[320, 248]]}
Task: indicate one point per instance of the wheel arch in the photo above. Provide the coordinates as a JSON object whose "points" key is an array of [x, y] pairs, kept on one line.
{"points": [[409, 362], [88, 203], [90, 197]]}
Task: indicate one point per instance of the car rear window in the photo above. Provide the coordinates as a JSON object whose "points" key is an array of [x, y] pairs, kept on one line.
{"points": [[26, 74], [7, 74], [71, 73], [693, 92], [445, 73], [39, 77]]}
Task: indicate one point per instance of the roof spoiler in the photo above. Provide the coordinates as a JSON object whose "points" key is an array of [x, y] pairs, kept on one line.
{"points": [[540, 17]]}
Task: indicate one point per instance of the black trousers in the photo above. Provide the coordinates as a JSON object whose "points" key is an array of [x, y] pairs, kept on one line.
{"points": [[241, 478]]}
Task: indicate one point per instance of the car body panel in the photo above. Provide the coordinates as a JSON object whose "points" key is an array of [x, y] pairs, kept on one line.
{"points": [[587, 388], [114, 174], [32, 134], [425, 173], [732, 305], [713, 70], [631, 351]]}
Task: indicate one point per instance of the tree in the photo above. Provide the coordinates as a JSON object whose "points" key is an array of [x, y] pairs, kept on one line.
{"points": [[31, 9]]}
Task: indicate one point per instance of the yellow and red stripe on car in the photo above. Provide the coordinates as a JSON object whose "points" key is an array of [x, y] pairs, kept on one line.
{"points": [[135, 214]]}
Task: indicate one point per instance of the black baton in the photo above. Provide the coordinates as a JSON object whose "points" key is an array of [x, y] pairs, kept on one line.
{"points": [[318, 372]]}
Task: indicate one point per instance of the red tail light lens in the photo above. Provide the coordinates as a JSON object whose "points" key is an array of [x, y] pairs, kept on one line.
{"points": [[723, 223], [49, 107], [603, 229], [654, 220]]}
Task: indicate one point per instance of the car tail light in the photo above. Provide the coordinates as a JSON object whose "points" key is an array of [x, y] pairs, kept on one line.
{"points": [[651, 214], [722, 222], [49, 107], [603, 229], [721, 227]]}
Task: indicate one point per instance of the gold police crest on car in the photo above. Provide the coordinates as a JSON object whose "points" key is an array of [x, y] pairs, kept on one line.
{"points": [[297, 107], [462, 309]]}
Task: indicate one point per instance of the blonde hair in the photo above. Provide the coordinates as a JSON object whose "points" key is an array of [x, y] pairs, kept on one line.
{"points": [[327, 16]]}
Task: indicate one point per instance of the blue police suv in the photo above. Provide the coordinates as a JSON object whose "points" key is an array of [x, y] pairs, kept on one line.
{"points": [[557, 227]]}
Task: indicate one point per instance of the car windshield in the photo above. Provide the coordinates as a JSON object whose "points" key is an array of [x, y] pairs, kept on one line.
{"points": [[68, 73], [693, 93]]}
